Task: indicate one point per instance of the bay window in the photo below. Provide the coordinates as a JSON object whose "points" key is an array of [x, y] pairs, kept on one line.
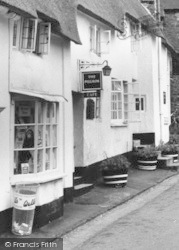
{"points": [[35, 130]]}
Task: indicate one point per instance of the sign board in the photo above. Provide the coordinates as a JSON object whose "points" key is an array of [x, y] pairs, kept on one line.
{"points": [[92, 94], [91, 81]]}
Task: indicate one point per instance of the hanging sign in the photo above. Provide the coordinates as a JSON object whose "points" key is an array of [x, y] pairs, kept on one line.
{"points": [[91, 81]]}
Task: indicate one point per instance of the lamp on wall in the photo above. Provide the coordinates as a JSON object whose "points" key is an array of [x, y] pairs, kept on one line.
{"points": [[1, 109], [106, 69]]}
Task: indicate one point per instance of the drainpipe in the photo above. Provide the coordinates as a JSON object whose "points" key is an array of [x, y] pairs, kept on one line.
{"points": [[159, 71]]}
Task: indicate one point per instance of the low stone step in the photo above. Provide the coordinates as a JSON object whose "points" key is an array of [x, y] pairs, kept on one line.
{"points": [[83, 188], [78, 180]]}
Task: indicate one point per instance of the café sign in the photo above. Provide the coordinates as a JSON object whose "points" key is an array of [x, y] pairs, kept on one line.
{"points": [[91, 81]]}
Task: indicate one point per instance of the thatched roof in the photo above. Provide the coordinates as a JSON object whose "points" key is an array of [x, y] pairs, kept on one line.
{"points": [[171, 29], [61, 12], [112, 12], [169, 4]]}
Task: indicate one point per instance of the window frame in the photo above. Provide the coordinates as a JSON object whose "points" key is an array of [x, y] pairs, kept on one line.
{"points": [[43, 47], [25, 36], [45, 175], [16, 21], [98, 40], [141, 97], [123, 120]]}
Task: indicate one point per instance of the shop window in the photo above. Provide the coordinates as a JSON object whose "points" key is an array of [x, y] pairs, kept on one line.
{"points": [[28, 37], [90, 112], [43, 38], [35, 136], [139, 103], [119, 102], [99, 40]]}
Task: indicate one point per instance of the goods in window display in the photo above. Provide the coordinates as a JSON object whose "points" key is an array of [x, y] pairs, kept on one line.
{"points": [[25, 156]]}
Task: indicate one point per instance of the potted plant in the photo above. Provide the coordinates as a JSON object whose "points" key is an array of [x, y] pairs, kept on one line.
{"points": [[147, 158], [115, 170], [170, 150]]}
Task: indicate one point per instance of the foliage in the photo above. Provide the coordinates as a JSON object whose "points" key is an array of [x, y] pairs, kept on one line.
{"points": [[119, 163], [169, 149], [174, 139], [148, 153], [160, 146]]}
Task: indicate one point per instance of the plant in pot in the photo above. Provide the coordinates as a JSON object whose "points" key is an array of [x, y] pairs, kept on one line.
{"points": [[147, 158], [170, 150], [115, 170]]}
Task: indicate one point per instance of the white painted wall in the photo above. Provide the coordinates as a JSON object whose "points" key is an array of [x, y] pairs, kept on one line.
{"points": [[49, 73], [4, 117], [99, 137]]}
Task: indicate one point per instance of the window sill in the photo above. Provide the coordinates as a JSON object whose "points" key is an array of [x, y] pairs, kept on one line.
{"points": [[118, 124], [36, 178]]}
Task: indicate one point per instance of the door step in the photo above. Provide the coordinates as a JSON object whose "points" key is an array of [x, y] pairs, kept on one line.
{"points": [[82, 188], [78, 180]]}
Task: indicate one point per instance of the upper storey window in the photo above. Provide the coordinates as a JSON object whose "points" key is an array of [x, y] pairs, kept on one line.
{"points": [[29, 31], [99, 40], [31, 35]]}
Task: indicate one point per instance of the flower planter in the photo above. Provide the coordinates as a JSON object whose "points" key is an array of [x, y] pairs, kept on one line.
{"points": [[115, 178], [147, 164], [174, 156]]}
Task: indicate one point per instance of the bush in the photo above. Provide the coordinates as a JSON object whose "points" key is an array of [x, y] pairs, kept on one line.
{"points": [[169, 149], [148, 153], [115, 164]]}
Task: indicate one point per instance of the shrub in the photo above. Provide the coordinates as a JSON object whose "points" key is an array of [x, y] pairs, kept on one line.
{"points": [[148, 153], [115, 164]]}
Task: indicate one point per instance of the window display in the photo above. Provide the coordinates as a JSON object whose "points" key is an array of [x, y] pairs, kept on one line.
{"points": [[35, 136]]}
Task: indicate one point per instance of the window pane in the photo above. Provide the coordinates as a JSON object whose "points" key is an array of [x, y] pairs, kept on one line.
{"points": [[47, 159], [117, 86], [40, 136], [24, 112], [31, 31], [119, 114], [54, 158], [24, 162], [137, 104], [126, 115], [40, 112], [142, 103], [24, 137], [39, 161], [48, 113], [15, 33], [54, 136], [47, 136], [125, 86], [54, 113]]}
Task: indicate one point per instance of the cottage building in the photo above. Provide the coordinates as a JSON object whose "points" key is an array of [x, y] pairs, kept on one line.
{"points": [[132, 105], [36, 104], [59, 112]]}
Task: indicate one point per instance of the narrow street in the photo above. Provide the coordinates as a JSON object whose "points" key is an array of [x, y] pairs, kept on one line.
{"points": [[155, 226]]}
